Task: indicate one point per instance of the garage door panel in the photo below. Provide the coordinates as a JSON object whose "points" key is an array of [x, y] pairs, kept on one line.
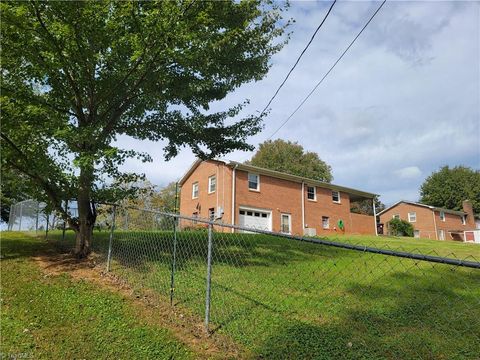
{"points": [[255, 219]]}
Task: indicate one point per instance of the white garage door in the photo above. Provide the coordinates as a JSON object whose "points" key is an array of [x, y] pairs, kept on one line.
{"points": [[255, 219]]}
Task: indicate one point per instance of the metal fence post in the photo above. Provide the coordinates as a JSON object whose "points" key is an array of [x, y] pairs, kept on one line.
{"points": [[65, 221], [21, 215], [174, 259], [46, 227], [209, 275], [36, 218], [109, 256]]}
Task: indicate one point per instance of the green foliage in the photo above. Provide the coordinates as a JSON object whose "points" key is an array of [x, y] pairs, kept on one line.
{"points": [[448, 187], [399, 227], [77, 75], [290, 157]]}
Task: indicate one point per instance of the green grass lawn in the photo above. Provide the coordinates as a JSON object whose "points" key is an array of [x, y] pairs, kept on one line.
{"points": [[283, 299], [53, 317]]}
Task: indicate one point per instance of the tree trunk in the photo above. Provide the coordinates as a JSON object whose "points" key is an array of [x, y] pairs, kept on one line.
{"points": [[86, 214]]}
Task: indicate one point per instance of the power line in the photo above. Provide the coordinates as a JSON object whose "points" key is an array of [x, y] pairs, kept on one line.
{"points": [[298, 59], [328, 72]]}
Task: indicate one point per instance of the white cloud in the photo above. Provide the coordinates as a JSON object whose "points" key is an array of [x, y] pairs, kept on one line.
{"points": [[409, 172], [407, 92]]}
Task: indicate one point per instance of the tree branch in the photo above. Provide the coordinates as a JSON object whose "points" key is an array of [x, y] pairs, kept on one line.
{"points": [[78, 99]]}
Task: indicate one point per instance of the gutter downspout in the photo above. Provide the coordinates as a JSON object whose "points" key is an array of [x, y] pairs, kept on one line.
{"points": [[303, 208], [233, 196], [375, 216], [435, 225]]}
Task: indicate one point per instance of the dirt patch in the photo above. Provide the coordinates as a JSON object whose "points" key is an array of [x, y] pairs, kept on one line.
{"points": [[148, 306]]}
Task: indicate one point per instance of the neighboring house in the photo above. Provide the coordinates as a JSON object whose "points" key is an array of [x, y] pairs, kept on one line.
{"points": [[254, 197], [431, 222]]}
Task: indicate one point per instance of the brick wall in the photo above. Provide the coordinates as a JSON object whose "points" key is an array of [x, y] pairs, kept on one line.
{"points": [[278, 195], [222, 197], [363, 224]]}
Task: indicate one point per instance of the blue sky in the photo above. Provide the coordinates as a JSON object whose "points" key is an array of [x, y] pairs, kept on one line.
{"points": [[404, 100]]}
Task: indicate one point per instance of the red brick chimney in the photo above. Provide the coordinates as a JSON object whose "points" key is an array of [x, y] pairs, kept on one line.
{"points": [[468, 208]]}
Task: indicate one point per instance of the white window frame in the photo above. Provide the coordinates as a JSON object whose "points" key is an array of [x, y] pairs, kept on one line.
{"points": [[314, 193], [339, 198], [195, 185], [289, 223], [328, 223], [210, 178], [258, 182], [464, 219], [414, 216], [442, 215], [396, 216]]}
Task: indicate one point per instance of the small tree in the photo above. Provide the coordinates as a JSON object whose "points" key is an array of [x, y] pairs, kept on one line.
{"points": [[449, 187], [291, 158], [398, 227]]}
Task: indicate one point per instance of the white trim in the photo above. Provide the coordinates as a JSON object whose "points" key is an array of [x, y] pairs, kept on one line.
{"points": [[375, 217], [314, 192], [193, 190], [289, 222], [258, 181], [410, 217], [339, 197], [209, 183], [435, 225], [464, 219]]}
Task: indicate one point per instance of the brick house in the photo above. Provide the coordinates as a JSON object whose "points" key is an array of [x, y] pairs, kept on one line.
{"points": [[431, 222], [255, 197]]}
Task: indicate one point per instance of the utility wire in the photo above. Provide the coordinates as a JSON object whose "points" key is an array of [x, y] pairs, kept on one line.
{"points": [[328, 72], [298, 59]]}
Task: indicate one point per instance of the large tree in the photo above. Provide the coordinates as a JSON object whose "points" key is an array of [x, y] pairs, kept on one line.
{"points": [[291, 158], [448, 187], [76, 75]]}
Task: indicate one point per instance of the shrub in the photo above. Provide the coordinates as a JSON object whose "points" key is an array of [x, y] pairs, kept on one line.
{"points": [[398, 227]]}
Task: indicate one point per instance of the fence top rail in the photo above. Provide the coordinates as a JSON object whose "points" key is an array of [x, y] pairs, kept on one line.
{"points": [[319, 241]]}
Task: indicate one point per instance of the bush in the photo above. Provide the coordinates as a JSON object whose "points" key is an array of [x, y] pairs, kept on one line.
{"points": [[398, 227]]}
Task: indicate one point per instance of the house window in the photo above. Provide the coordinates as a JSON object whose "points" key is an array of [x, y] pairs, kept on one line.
{"points": [[254, 182], [195, 190], [396, 216], [412, 216], [285, 223], [195, 216], [416, 233], [325, 222], [464, 219], [311, 193], [336, 197], [442, 215], [212, 184], [211, 214]]}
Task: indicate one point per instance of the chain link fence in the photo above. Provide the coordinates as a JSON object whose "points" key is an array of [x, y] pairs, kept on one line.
{"points": [[288, 297]]}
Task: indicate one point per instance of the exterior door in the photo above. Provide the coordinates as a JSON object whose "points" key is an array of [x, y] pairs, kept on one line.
{"points": [[441, 235]]}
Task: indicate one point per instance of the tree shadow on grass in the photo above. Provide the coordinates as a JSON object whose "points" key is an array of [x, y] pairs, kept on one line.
{"points": [[433, 315]]}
